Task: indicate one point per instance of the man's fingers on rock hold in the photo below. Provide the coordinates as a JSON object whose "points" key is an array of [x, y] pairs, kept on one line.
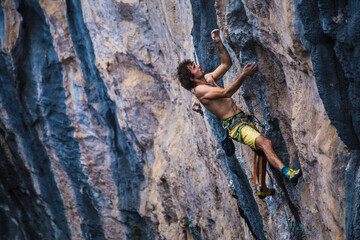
{"points": [[250, 69], [253, 66], [247, 66], [250, 66]]}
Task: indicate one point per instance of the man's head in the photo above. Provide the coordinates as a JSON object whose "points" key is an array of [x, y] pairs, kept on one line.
{"points": [[188, 72]]}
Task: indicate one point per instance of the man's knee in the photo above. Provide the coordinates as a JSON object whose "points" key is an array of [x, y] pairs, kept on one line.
{"points": [[263, 143]]}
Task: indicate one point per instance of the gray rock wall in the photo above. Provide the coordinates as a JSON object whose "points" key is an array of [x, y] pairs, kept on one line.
{"points": [[99, 141]]}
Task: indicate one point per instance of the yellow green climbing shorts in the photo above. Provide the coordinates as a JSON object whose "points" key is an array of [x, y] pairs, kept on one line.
{"points": [[242, 130], [249, 135]]}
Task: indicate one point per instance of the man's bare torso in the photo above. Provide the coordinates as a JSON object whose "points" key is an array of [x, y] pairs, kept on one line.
{"points": [[222, 108]]}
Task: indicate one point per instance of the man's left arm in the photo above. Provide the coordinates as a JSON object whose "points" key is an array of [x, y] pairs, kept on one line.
{"points": [[224, 56]]}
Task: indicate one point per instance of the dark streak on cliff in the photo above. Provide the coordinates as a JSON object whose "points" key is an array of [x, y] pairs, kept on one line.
{"points": [[332, 34], [34, 40], [127, 170], [204, 18]]}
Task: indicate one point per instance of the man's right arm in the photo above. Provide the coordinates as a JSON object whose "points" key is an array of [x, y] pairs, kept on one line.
{"points": [[207, 92], [224, 57]]}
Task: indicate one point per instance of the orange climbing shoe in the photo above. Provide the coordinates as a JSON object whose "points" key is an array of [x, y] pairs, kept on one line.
{"points": [[268, 192]]}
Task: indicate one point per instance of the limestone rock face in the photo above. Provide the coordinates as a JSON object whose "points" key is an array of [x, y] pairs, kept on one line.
{"points": [[100, 141]]}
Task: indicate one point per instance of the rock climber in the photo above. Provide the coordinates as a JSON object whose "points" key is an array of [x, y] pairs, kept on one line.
{"points": [[219, 102]]}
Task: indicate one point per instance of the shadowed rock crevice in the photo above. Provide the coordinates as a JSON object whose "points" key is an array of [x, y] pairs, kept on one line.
{"points": [[287, 188], [248, 207], [209, 60], [261, 91]]}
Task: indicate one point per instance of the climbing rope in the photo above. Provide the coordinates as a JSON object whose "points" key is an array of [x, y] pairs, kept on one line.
{"points": [[255, 120], [282, 202]]}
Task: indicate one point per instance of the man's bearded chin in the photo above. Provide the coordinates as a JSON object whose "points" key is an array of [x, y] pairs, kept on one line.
{"points": [[203, 75]]}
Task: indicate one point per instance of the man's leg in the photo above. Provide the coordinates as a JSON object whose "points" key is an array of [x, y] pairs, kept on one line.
{"points": [[261, 174], [265, 145], [252, 138]]}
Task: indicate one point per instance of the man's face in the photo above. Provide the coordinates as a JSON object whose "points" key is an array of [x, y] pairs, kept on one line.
{"points": [[196, 70]]}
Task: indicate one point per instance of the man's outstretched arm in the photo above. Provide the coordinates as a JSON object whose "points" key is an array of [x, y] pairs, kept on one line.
{"points": [[207, 92], [224, 56]]}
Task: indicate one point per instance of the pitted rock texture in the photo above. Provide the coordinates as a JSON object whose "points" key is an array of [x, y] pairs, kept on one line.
{"points": [[99, 141]]}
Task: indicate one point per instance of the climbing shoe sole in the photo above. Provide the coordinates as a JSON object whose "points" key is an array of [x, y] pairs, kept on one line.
{"points": [[269, 192]]}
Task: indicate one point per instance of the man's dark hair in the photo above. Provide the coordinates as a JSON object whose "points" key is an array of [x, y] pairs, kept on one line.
{"points": [[184, 74]]}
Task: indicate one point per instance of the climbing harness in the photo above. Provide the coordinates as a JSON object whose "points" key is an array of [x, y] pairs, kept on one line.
{"points": [[240, 120], [282, 202], [257, 121]]}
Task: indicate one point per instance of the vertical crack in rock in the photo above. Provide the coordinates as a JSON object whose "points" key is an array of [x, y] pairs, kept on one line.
{"points": [[244, 43], [126, 169], [248, 207], [204, 17], [290, 192], [332, 34]]}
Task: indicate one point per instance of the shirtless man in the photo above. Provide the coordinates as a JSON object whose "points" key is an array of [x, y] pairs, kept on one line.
{"points": [[219, 102]]}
